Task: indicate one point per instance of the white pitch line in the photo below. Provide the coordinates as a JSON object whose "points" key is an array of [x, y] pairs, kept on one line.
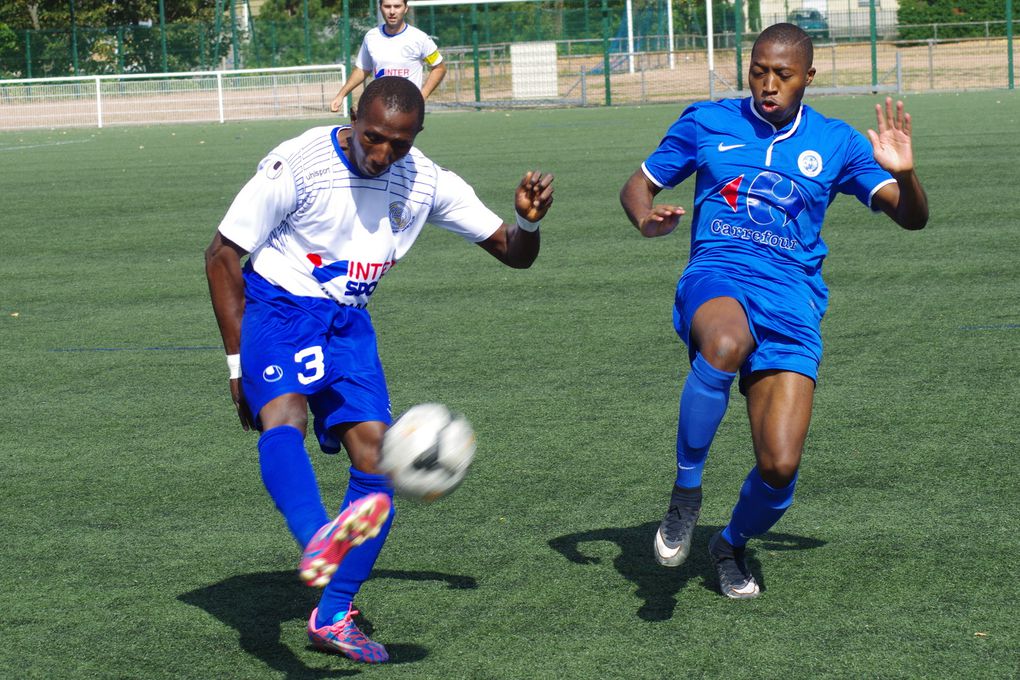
{"points": [[48, 144]]}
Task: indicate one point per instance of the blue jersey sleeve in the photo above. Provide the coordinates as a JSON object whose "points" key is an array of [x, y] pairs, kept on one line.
{"points": [[677, 156], [861, 175]]}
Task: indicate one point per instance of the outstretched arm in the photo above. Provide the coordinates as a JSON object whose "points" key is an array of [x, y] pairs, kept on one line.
{"points": [[356, 78], [226, 288], [905, 202], [651, 220], [517, 245], [436, 75]]}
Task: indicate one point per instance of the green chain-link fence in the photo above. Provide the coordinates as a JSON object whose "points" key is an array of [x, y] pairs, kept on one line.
{"points": [[475, 41], [240, 40]]}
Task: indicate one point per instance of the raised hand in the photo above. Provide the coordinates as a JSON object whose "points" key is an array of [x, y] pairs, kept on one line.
{"points": [[892, 144], [534, 195]]}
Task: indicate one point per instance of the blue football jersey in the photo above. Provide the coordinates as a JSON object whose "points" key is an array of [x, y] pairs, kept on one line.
{"points": [[761, 192]]}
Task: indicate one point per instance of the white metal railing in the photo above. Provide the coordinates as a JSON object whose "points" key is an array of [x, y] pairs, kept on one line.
{"points": [[152, 98]]}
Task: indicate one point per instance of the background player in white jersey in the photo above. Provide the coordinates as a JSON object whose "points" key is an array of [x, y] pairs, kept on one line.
{"points": [[325, 217], [395, 49], [751, 297]]}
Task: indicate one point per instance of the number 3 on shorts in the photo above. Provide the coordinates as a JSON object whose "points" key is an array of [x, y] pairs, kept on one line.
{"points": [[311, 357]]}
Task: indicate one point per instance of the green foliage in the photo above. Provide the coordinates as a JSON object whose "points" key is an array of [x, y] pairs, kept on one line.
{"points": [[9, 45], [56, 14], [579, 20], [754, 15], [279, 35], [112, 37], [913, 12]]}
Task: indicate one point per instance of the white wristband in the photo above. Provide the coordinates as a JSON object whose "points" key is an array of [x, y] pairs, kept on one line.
{"points": [[526, 225], [234, 365]]}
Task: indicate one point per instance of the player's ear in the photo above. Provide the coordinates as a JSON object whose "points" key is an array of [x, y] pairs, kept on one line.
{"points": [[810, 76], [354, 114]]}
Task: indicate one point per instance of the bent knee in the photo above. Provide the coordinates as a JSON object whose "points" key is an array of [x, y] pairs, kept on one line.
{"points": [[779, 474], [364, 445], [726, 352]]}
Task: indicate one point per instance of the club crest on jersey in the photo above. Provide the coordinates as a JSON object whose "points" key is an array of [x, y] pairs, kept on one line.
{"points": [[400, 216], [273, 169], [810, 163]]}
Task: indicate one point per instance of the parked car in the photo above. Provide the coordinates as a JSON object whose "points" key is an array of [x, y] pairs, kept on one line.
{"points": [[812, 21]]}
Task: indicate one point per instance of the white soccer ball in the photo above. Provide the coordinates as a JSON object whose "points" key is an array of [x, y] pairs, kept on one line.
{"points": [[427, 451]]}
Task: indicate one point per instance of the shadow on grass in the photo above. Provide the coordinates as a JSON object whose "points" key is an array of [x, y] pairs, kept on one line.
{"points": [[257, 605], [658, 586]]}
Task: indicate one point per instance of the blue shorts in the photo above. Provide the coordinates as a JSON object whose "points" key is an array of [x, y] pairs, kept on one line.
{"points": [[315, 347], [784, 323]]}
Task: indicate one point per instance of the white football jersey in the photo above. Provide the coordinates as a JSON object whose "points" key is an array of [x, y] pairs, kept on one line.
{"points": [[401, 55], [316, 227]]}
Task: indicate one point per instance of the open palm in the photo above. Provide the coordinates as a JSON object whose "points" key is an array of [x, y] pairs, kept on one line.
{"points": [[892, 144]]}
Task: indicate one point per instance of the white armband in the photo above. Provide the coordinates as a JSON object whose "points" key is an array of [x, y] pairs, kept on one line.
{"points": [[526, 225], [234, 365]]}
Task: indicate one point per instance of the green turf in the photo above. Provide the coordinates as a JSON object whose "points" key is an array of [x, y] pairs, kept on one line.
{"points": [[138, 541]]}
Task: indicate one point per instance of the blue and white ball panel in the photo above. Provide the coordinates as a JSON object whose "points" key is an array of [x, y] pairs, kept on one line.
{"points": [[311, 346]]}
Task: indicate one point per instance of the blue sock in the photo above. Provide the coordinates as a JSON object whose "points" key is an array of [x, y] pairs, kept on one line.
{"points": [[759, 508], [357, 565], [289, 478], [703, 403]]}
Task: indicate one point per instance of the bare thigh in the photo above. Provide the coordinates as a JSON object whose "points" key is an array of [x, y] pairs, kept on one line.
{"points": [[286, 409], [363, 442], [779, 409], [721, 333]]}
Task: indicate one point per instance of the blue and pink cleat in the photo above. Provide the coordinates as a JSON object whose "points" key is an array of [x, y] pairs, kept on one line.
{"points": [[360, 521], [345, 637]]}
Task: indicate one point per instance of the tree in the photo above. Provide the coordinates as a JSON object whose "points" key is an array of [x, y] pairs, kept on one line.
{"points": [[914, 12]]}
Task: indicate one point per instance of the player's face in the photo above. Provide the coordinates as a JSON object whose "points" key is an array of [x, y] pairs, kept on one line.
{"points": [[393, 12], [381, 137], [777, 78]]}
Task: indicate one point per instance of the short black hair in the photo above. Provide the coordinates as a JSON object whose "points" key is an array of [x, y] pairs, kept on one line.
{"points": [[791, 35], [396, 93]]}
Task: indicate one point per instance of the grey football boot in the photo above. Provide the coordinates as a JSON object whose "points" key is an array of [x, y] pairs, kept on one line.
{"points": [[673, 538], [735, 580]]}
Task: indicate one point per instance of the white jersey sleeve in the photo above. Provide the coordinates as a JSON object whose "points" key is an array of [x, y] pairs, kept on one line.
{"points": [[364, 58], [430, 51], [456, 208], [261, 205]]}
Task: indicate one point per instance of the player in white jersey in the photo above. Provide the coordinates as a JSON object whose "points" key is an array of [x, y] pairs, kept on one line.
{"points": [[395, 49], [324, 218]]}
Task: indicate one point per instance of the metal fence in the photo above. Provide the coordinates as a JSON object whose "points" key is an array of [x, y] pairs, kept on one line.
{"points": [[243, 40], [598, 67], [652, 76], [153, 98]]}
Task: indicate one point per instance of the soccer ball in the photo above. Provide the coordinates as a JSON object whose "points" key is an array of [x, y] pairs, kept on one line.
{"points": [[427, 451]]}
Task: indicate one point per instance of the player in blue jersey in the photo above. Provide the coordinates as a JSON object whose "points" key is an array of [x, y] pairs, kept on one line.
{"points": [[325, 217], [751, 298]]}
